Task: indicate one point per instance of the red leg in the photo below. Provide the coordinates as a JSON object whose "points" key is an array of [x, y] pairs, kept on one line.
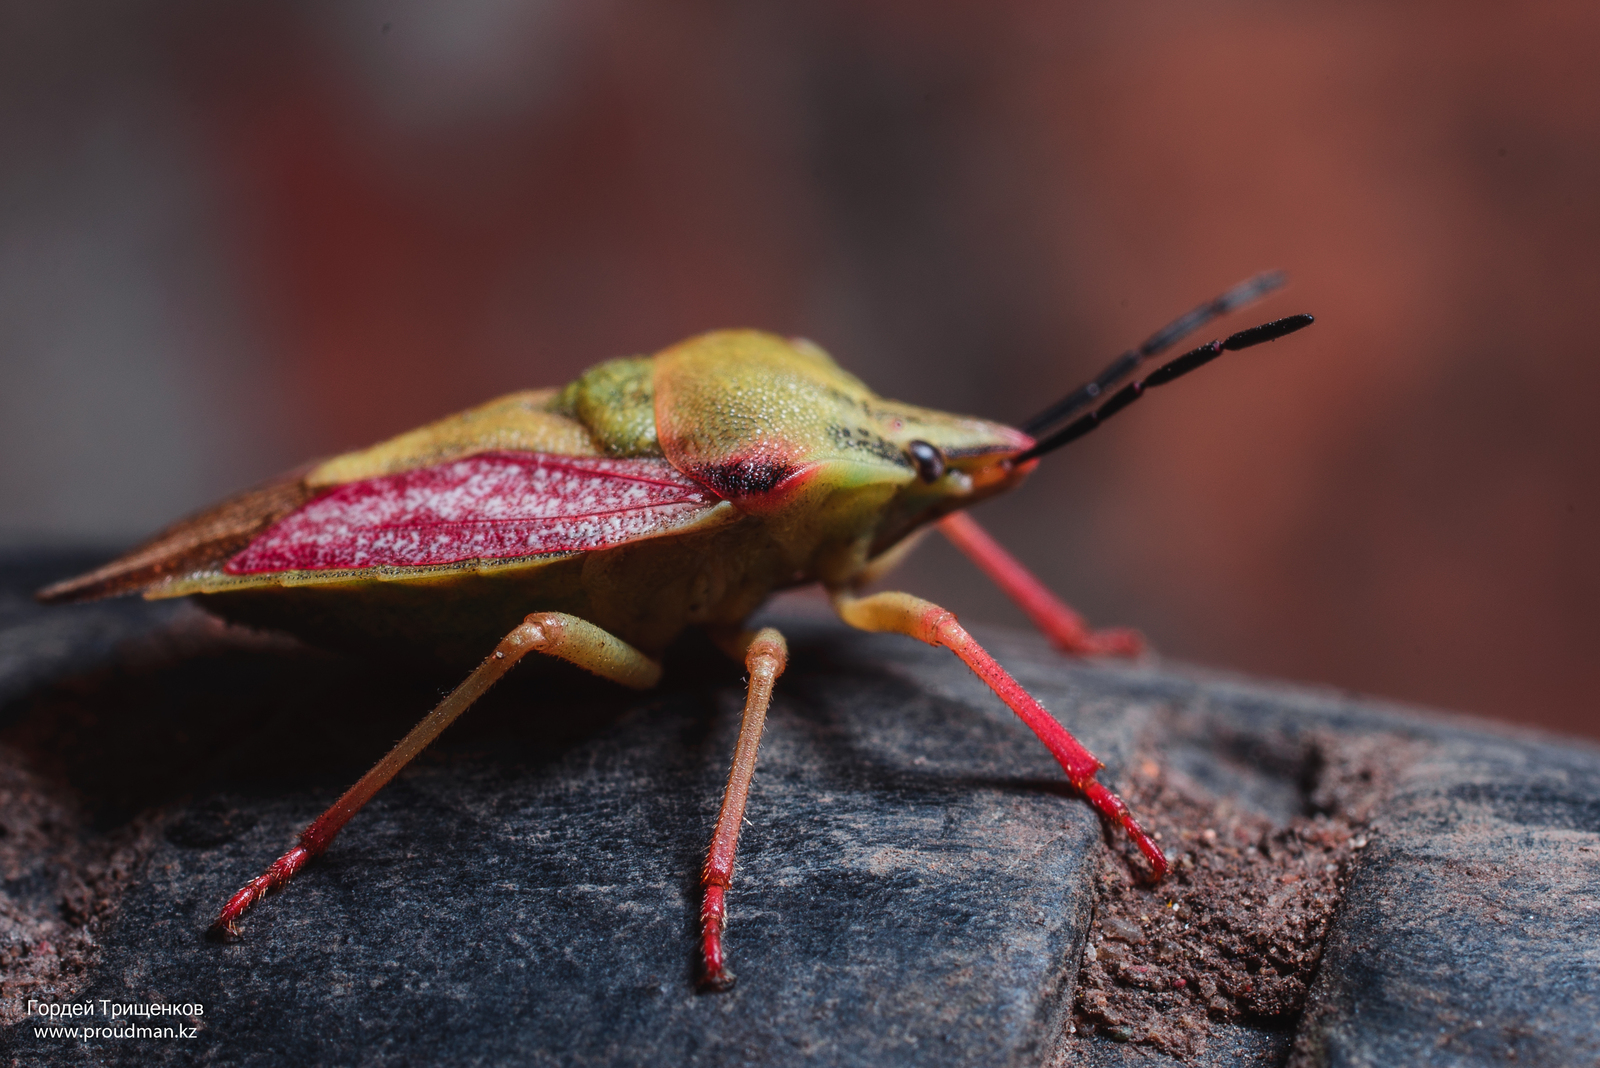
{"points": [[1065, 628], [902, 613], [766, 655], [552, 633]]}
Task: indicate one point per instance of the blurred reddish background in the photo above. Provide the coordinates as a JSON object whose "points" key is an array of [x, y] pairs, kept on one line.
{"points": [[233, 237]]}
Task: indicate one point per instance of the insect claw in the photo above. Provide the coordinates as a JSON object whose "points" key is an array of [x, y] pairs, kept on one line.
{"points": [[1159, 865], [721, 983], [1113, 641], [225, 927], [715, 978], [1114, 809]]}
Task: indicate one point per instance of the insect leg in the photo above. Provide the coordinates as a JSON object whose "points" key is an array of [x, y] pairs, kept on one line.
{"points": [[902, 613], [552, 633], [1065, 628], [765, 655]]}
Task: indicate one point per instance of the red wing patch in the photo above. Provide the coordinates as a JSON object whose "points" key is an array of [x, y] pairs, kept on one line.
{"points": [[489, 506]]}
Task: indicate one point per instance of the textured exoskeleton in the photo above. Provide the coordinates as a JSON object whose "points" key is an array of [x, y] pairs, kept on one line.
{"points": [[595, 522]]}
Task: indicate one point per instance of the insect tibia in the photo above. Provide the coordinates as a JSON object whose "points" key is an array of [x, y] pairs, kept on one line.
{"points": [[902, 613]]}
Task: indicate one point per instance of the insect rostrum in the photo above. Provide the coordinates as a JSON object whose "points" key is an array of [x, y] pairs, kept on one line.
{"points": [[596, 522]]}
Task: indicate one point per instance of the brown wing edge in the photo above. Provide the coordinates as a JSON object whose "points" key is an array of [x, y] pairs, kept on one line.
{"points": [[205, 539]]}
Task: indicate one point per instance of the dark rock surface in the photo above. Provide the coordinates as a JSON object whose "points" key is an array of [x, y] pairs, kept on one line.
{"points": [[38, 646], [915, 886], [1471, 931]]}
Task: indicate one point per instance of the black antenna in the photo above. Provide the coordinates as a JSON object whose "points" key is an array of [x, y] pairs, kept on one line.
{"points": [[1161, 376], [1244, 293]]}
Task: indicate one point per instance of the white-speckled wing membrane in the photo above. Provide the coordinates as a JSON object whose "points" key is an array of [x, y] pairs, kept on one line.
{"points": [[489, 506]]}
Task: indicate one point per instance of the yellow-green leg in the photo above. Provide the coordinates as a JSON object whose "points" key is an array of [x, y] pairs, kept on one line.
{"points": [[902, 613], [765, 654], [551, 633]]}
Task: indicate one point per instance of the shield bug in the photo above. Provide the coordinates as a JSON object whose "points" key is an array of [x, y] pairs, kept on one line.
{"points": [[650, 495]]}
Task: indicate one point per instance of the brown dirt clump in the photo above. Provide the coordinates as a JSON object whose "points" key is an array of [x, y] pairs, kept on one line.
{"points": [[1235, 934]]}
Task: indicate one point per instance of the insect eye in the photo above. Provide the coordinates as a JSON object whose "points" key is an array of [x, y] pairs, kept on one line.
{"points": [[927, 459]]}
